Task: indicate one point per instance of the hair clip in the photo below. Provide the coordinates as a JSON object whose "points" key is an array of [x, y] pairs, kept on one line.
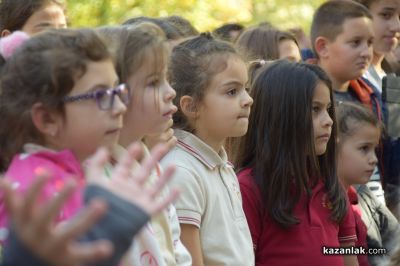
{"points": [[262, 62], [11, 42]]}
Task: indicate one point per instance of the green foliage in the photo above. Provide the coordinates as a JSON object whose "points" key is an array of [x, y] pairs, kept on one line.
{"points": [[204, 14]]}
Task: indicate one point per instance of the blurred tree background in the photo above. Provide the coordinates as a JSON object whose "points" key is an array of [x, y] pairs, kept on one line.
{"points": [[204, 14]]}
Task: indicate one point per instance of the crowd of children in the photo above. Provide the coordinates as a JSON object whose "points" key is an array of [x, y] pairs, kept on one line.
{"points": [[149, 143]]}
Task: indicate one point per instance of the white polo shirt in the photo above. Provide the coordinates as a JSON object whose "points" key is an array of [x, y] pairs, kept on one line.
{"points": [[210, 199]]}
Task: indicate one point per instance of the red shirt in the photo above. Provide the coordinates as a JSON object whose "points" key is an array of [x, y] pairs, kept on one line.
{"points": [[300, 244], [361, 228]]}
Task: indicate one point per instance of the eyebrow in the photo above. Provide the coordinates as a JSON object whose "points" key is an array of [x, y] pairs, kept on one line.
{"points": [[319, 103], [232, 82], [102, 86]]}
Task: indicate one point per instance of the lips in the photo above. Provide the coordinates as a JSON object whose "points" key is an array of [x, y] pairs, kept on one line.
{"points": [[324, 137], [112, 131], [170, 112]]}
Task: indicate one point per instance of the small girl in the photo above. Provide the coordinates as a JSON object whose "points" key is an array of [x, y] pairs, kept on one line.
{"points": [[359, 134], [31, 16], [141, 54], [210, 79], [50, 88], [292, 198]]}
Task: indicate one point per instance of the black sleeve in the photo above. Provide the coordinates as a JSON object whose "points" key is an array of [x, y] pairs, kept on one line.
{"points": [[119, 225]]}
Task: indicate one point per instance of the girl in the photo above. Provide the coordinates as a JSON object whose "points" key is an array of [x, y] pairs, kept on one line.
{"points": [[31, 16], [210, 79], [268, 44], [141, 53], [359, 134], [50, 88], [386, 27], [291, 196]]}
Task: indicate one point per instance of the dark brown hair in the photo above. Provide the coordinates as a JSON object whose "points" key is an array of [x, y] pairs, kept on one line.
{"points": [[350, 116], [279, 144], [366, 3], [329, 18], [262, 43], [183, 25], [44, 69], [193, 64], [15, 13]]}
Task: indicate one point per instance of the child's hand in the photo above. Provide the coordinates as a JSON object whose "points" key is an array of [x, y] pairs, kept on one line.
{"points": [[165, 137], [132, 186], [33, 225]]}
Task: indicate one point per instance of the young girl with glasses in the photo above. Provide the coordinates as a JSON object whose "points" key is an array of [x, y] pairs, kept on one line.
{"points": [[141, 54], [60, 100]]}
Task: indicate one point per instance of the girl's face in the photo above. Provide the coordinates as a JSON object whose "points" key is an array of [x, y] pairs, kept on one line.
{"points": [[150, 110], [357, 158], [50, 16], [85, 127], [225, 109], [386, 24], [322, 122], [289, 50]]}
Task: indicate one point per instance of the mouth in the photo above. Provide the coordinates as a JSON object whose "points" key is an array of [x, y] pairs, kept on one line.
{"points": [[369, 172], [324, 137], [170, 112], [113, 131]]}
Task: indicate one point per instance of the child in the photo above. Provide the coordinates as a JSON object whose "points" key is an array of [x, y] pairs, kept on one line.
{"points": [[141, 53], [359, 134], [129, 205], [31, 16], [210, 79], [51, 87], [342, 37], [268, 44], [386, 26], [292, 198]]}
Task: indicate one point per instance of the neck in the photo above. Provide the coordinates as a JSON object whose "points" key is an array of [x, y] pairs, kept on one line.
{"points": [[337, 84], [377, 61], [215, 143], [128, 135]]}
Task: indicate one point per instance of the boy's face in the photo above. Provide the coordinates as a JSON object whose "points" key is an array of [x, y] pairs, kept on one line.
{"points": [[348, 56]]}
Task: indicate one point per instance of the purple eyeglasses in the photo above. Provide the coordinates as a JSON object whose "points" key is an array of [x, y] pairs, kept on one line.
{"points": [[104, 98]]}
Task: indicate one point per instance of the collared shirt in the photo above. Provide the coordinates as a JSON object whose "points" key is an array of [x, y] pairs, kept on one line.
{"points": [[210, 200]]}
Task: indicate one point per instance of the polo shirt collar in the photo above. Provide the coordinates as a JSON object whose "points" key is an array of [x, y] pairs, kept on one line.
{"points": [[199, 149]]}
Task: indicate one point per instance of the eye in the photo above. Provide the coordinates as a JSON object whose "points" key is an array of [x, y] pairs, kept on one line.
{"points": [[154, 83], [355, 43], [316, 109], [386, 15], [232, 92], [364, 148]]}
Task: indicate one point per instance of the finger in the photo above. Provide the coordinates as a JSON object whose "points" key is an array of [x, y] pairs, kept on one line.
{"points": [[83, 221], [142, 173], [161, 183], [49, 212], [96, 165], [32, 194], [155, 207], [83, 253], [10, 197], [124, 165]]}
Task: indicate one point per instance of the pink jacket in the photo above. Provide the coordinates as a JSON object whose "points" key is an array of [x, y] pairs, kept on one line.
{"points": [[61, 165]]}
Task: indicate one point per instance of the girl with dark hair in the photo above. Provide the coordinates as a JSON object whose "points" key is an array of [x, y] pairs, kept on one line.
{"points": [[359, 132], [292, 198], [209, 78], [31, 16]]}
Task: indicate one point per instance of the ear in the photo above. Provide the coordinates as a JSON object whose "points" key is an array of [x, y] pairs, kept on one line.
{"points": [[322, 47], [5, 33], [188, 106], [46, 122]]}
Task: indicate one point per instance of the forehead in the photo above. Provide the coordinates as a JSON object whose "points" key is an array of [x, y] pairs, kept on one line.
{"points": [[152, 60], [228, 68], [363, 132], [48, 12], [385, 4], [356, 27], [322, 94]]}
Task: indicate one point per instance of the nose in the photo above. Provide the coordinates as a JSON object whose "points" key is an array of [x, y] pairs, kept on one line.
{"points": [[366, 51], [327, 120], [247, 100], [169, 93], [373, 160], [119, 108], [395, 25]]}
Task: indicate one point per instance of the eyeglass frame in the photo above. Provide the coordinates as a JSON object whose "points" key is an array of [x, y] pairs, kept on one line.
{"points": [[96, 95]]}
